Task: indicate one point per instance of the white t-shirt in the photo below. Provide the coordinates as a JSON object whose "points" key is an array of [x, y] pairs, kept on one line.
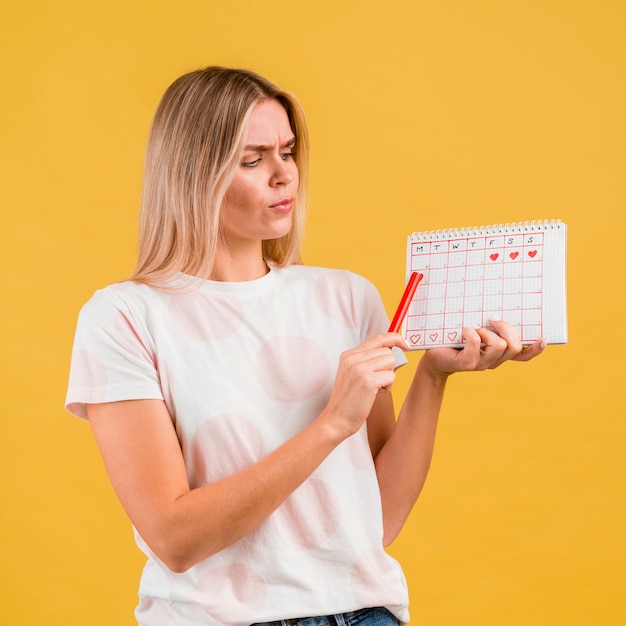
{"points": [[242, 367]]}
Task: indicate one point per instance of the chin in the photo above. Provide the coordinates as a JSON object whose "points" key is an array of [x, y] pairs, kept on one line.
{"points": [[281, 230]]}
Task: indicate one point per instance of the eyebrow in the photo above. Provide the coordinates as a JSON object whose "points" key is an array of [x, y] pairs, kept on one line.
{"points": [[262, 148]]}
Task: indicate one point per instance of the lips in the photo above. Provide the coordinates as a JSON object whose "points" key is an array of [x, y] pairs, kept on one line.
{"points": [[284, 206]]}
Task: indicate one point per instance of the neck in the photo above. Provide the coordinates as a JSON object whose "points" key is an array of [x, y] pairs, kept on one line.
{"points": [[230, 267]]}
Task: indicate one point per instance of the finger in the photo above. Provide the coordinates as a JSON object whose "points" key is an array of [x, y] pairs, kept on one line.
{"points": [[492, 342], [363, 354], [506, 331], [470, 338], [531, 351], [469, 357], [385, 380], [389, 340], [361, 370], [372, 377], [378, 359], [494, 349], [386, 340]]}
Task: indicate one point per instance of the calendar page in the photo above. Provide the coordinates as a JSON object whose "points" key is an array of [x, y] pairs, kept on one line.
{"points": [[514, 272]]}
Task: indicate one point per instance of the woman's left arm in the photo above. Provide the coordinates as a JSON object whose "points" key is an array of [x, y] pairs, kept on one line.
{"points": [[403, 451]]}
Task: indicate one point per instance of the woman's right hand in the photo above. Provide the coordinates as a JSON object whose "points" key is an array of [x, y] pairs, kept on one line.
{"points": [[362, 372]]}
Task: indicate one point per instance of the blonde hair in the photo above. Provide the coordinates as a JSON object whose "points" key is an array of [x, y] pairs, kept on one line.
{"points": [[193, 149]]}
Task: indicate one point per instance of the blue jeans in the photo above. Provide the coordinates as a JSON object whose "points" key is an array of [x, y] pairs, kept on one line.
{"points": [[378, 616]]}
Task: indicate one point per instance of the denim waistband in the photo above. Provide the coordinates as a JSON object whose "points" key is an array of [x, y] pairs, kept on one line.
{"points": [[377, 616]]}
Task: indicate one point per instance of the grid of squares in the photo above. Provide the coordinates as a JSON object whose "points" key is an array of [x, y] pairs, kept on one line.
{"points": [[468, 280]]}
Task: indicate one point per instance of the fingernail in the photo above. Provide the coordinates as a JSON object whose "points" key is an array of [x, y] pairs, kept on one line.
{"points": [[494, 319], [544, 343]]}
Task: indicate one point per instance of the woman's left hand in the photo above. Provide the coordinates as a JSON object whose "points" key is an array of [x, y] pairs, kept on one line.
{"points": [[483, 348]]}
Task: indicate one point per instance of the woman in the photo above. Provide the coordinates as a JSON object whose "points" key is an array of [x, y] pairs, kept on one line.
{"points": [[240, 400]]}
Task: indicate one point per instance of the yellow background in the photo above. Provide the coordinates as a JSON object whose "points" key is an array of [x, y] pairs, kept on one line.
{"points": [[423, 115]]}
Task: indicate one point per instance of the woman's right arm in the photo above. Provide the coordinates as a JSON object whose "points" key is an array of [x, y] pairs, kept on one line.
{"points": [[183, 526], [144, 461]]}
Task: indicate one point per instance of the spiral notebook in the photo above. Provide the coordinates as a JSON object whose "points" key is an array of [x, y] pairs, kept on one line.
{"points": [[515, 272]]}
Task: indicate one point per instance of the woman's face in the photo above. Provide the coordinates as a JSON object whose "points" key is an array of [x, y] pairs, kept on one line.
{"points": [[259, 202]]}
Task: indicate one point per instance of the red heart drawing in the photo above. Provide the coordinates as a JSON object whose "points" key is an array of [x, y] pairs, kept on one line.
{"points": [[532, 253], [514, 255], [452, 336], [415, 338], [433, 336], [494, 256]]}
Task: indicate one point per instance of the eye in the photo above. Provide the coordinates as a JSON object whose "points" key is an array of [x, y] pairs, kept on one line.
{"points": [[287, 155], [253, 163]]}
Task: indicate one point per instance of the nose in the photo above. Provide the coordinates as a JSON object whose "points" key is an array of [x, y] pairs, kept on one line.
{"points": [[284, 172]]}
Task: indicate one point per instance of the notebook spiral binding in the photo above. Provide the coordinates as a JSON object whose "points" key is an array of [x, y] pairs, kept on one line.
{"points": [[492, 229]]}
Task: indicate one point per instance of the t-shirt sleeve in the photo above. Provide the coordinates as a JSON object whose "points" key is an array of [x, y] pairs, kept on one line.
{"points": [[112, 357], [376, 319]]}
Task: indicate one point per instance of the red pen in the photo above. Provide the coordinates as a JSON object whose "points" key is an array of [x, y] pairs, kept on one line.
{"points": [[403, 307]]}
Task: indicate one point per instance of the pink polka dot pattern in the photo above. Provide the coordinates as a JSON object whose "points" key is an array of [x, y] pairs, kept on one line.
{"points": [[310, 516], [205, 316], [242, 368], [369, 574], [240, 445], [374, 313], [244, 587], [327, 287], [292, 369]]}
